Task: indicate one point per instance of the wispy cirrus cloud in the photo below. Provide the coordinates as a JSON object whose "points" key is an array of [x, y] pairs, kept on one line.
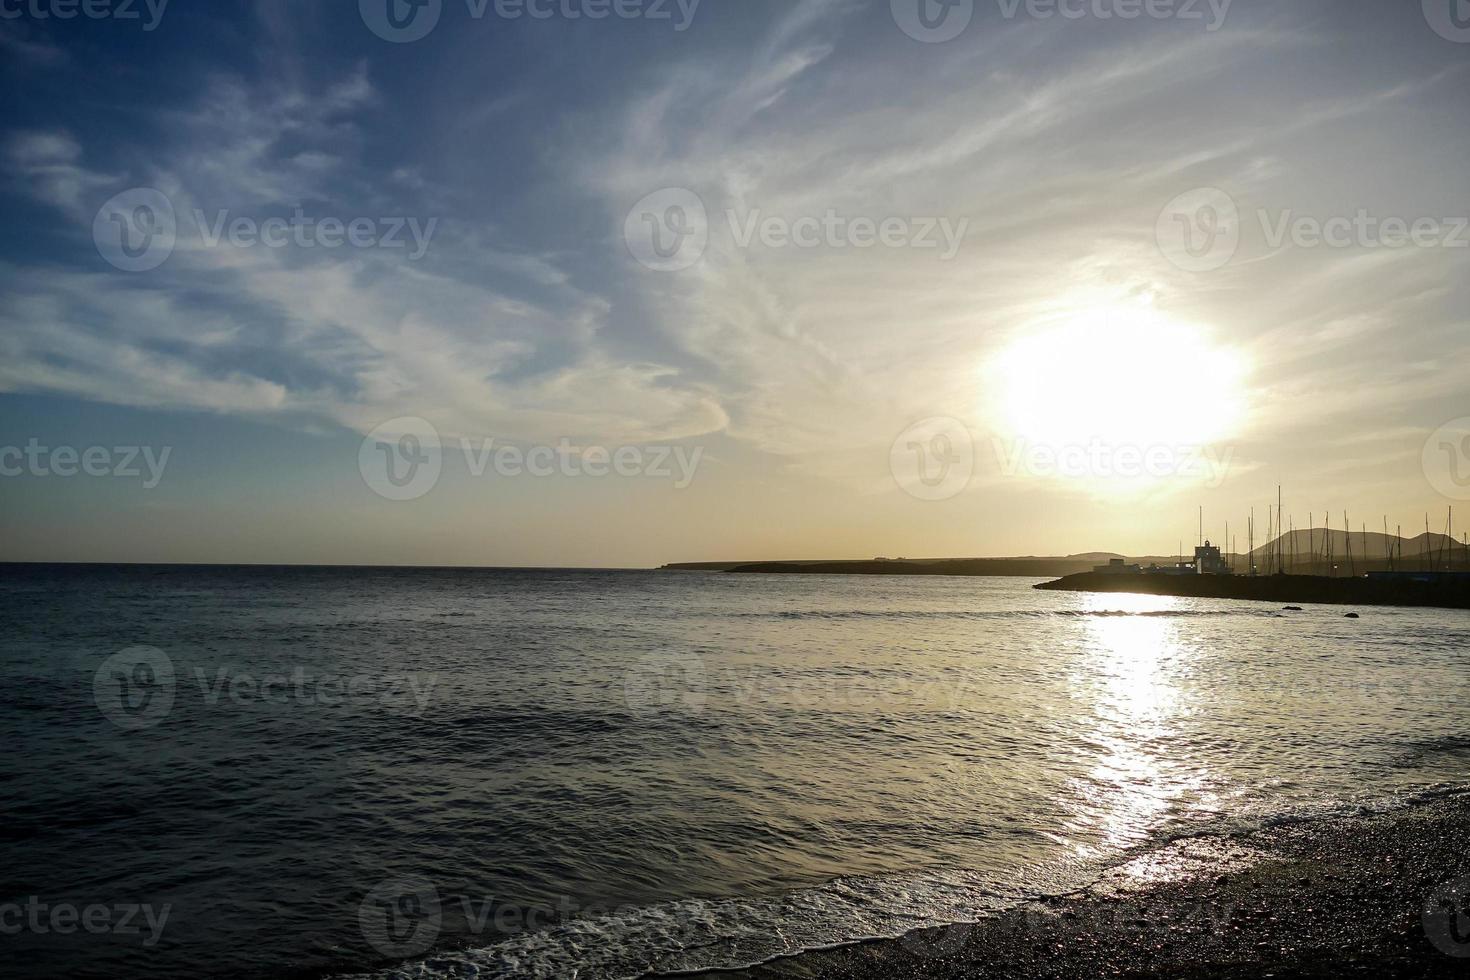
{"points": [[1056, 145], [354, 336]]}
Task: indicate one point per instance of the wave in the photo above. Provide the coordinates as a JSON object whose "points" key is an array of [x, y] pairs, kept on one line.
{"points": [[697, 936], [1416, 753]]}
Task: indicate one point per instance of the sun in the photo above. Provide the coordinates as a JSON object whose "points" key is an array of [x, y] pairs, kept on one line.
{"points": [[1122, 376]]}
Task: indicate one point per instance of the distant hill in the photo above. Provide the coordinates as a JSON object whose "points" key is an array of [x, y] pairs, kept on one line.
{"points": [[1026, 567], [1374, 543], [1303, 552], [1014, 567], [1309, 550]]}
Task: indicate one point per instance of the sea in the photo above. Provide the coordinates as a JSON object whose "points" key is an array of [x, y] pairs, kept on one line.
{"points": [[257, 772]]}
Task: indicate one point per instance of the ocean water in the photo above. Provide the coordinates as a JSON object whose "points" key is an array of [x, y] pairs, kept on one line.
{"points": [[343, 772]]}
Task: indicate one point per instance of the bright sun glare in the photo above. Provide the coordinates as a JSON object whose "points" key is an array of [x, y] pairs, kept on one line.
{"points": [[1121, 376]]}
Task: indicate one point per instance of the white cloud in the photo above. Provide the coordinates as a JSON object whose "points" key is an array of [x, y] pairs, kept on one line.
{"points": [[47, 163], [1059, 156], [356, 336], [1061, 163]]}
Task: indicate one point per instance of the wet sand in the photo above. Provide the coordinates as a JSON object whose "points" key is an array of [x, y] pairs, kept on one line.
{"points": [[1342, 897]]}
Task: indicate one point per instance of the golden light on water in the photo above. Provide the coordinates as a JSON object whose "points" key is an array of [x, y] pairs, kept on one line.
{"points": [[1133, 675]]}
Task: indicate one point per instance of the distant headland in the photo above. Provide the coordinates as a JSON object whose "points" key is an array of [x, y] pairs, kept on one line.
{"points": [[1027, 567], [1301, 566]]}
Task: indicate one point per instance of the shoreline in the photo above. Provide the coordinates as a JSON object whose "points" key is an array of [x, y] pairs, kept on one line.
{"points": [[1321, 898], [1319, 895]]}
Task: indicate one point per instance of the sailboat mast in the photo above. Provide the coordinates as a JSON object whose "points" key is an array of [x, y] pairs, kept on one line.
{"points": [[1331, 546], [1270, 538]]}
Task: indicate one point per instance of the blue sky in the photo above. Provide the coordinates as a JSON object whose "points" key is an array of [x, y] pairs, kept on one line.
{"points": [[517, 148]]}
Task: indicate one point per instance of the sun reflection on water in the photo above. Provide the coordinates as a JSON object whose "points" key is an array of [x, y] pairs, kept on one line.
{"points": [[1133, 682]]}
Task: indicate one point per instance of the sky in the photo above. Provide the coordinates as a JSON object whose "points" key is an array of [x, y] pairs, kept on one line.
{"points": [[616, 283]]}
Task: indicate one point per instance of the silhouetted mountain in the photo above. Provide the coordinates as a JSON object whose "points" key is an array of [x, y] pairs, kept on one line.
{"points": [[1308, 550]]}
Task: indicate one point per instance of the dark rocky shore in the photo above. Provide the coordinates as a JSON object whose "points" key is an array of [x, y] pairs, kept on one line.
{"points": [[1450, 594], [1378, 896], [972, 567]]}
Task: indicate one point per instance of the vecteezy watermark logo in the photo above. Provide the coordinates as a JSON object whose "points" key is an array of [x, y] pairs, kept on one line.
{"points": [[576, 462], [134, 689], [1447, 459], [137, 688], [1106, 461], [91, 9], [402, 459], [838, 231], [408, 908], [666, 681], [401, 918], [933, 459], [938, 942], [1199, 231], [1184, 10], [304, 231], [1362, 230], [43, 462], [136, 230], [401, 21], [40, 918], [668, 231], [1447, 918], [1449, 18], [654, 10], [933, 21], [936, 21], [406, 692]]}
